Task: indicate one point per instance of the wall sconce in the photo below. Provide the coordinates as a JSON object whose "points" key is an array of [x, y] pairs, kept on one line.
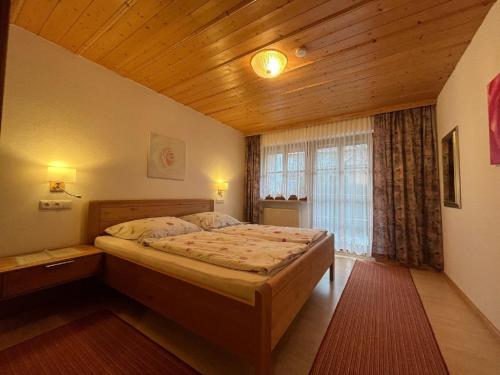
{"points": [[221, 188], [58, 176]]}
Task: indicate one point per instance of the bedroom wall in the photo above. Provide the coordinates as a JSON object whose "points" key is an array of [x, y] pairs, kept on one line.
{"points": [[472, 234], [61, 107]]}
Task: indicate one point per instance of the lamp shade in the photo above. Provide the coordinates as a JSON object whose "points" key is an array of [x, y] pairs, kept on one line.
{"points": [[269, 63], [222, 185], [61, 174]]}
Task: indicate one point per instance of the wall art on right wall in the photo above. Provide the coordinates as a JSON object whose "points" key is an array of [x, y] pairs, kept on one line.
{"points": [[494, 114], [451, 170]]}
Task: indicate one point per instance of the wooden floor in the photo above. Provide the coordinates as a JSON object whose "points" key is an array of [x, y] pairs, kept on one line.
{"points": [[467, 343], [468, 346]]}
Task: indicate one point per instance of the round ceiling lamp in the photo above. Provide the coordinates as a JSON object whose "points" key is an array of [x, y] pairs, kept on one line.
{"points": [[268, 63]]}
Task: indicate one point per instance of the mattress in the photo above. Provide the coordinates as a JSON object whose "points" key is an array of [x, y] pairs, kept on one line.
{"points": [[238, 284]]}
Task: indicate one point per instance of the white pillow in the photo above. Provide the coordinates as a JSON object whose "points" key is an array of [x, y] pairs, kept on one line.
{"points": [[153, 227], [211, 220]]}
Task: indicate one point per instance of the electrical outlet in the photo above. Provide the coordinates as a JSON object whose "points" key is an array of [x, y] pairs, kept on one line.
{"points": [[55, 204]]}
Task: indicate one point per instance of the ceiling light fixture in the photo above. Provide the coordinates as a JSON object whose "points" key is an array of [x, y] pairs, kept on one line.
{"points": [[268, 63]]}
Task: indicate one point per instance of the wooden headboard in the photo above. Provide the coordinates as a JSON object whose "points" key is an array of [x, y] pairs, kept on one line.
{"points": [[103, 214]]}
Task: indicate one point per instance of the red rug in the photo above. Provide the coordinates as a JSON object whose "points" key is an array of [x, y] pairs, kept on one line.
{"points": [[100, 343], [379, 327]]}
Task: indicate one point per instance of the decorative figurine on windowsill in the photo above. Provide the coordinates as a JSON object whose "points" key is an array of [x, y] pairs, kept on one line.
{"points": [[279, 197], [303, 199], [292, 197], [269, 197]]}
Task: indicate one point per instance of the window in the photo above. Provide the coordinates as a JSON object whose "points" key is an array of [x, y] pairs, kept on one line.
{"points": [[326, 187], [274, 173], [342, 201], [295, 176], [334, 171], [284, 173]]}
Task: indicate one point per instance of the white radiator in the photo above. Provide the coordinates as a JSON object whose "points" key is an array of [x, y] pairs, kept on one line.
{"points": [[282, 217]]}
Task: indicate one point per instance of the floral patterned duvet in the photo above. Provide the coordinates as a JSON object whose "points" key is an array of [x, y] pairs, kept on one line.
{"points": [[274, 233], [236, 252]]}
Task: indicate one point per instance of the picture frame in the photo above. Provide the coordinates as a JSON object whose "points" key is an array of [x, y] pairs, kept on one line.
{"points": [[166, 158], [494, 119], [451, 169]]}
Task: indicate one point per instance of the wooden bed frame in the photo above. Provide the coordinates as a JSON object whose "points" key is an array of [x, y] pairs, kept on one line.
{"points": [[250, 331]]}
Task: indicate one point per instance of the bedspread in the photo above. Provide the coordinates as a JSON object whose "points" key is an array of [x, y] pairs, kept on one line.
{"points": [[236, 252], [274, 233]]}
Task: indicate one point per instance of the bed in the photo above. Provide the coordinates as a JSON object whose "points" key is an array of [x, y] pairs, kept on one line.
{"points": [[247, 320]]}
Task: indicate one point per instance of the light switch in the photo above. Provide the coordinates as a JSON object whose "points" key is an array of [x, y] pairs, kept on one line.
{"points": [[55, 204]]}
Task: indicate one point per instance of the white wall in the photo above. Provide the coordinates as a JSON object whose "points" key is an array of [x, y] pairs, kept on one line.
{"points": [[61, 107], [472, 234]]}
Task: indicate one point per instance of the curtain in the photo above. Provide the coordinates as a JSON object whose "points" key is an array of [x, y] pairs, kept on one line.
{"points": [[252, 178], [407, 212], [331, 165]]}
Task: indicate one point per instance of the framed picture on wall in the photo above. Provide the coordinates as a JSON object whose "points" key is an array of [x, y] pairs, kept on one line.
{"points": [[451, 169], [166, 157], [494, 115]]}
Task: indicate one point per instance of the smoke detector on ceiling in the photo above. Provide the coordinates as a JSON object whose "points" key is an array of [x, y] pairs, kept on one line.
{"points": [[300, 52]]}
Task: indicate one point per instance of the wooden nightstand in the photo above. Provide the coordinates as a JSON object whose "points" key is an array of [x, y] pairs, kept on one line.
{"points": [[28, 273]]}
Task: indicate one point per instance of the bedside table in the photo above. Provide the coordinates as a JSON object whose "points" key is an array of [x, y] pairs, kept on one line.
{"points": [[30, 272]]}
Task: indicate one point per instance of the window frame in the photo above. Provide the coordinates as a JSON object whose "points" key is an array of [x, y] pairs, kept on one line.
{"points": [[285, 150]]}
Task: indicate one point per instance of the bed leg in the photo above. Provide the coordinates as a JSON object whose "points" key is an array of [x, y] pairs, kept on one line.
{"points": [[263, 302], [332, 272]]}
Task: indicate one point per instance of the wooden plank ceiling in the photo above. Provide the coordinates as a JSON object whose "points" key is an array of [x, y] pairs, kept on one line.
{"points": [[363, 56]]}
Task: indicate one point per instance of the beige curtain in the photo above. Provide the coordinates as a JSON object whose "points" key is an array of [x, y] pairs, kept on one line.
{"points": [[406, 201], [252, 179]]}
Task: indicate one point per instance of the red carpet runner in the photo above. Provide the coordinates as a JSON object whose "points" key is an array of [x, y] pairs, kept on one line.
{"points": [[379, 327], [100, 343]]}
